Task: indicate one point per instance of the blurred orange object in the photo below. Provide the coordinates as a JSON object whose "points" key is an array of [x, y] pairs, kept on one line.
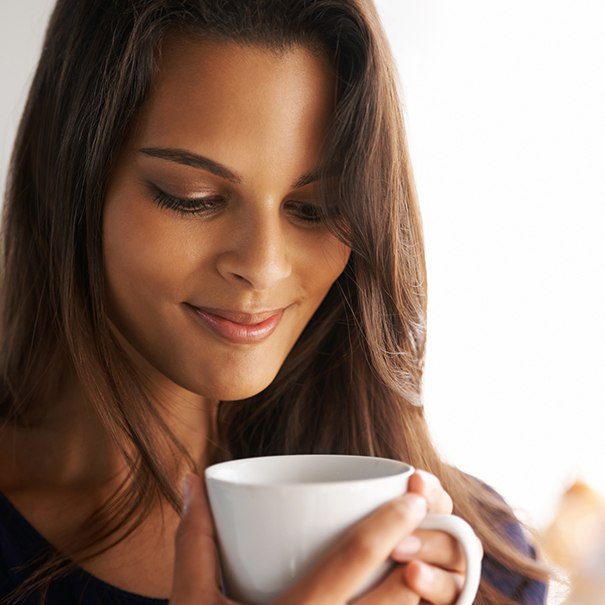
{"points": [[575, 542]]}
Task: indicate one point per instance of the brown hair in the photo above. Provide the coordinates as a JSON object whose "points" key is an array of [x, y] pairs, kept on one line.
{"points": [[351, 384]]}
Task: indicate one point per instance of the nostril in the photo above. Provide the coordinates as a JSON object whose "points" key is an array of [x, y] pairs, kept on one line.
{"points": [[241, 279], [256, 259]]}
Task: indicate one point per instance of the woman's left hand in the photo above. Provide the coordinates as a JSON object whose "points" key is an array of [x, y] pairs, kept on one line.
{"points": [[433, 562]]}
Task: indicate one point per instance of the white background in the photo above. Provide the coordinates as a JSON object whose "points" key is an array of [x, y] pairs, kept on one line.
{"points": [[505, 110]]}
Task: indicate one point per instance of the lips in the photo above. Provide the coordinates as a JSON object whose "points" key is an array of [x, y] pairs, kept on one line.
{"points": [[235, 326]]}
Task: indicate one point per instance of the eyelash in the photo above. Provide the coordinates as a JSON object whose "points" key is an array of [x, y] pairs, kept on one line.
{"points": [[301, 212], [188, 206], [308, 213]]}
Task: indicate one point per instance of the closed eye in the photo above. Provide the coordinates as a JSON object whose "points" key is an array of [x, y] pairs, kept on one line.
{"points": [[188, 206], [305, 211]]}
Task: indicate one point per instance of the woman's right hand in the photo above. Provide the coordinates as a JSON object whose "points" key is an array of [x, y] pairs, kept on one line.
{"points": [[332, 582]]}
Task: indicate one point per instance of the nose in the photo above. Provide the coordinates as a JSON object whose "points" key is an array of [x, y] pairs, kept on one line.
{"points": [[256, 252]]}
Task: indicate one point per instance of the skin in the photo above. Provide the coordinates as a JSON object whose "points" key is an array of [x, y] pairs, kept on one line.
{"points": [[335, 578], [252, 250], [259, 117]]}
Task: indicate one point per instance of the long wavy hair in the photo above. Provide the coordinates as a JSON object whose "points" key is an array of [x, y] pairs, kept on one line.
{"points": [[351, 384]]}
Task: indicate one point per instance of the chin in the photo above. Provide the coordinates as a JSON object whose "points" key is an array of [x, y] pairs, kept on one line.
{"points": [[245, 390], [231, 387]]}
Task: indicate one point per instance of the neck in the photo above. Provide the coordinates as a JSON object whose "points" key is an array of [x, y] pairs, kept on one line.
{"points": [[60, 472], [72, 448]]}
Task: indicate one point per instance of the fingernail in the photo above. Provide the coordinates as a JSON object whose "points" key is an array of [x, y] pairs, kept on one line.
{"points": [[428, 483], [408, 547], [186, 493], [428, 478], [427, 575]]}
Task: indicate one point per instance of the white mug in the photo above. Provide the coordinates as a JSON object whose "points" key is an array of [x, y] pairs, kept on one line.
{"points": [[276, 516]]}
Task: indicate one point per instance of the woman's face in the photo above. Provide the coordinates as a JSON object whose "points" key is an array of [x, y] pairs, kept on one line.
{"points": [[214, 257]]}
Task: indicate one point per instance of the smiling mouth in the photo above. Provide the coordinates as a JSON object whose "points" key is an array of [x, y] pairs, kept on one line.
{"points": [[237, 327]]}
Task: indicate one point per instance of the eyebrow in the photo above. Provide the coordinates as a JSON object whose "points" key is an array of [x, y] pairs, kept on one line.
{"points": [[186, 158], [180, 156]]}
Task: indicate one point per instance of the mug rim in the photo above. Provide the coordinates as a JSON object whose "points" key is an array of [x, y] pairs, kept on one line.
{"points": [[214, 472]]}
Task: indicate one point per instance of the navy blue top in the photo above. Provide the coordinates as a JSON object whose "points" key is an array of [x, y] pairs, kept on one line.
{"points": [[21, 544]]}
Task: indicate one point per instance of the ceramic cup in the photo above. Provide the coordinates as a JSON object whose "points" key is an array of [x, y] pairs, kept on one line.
{"points": [[276, 516]]}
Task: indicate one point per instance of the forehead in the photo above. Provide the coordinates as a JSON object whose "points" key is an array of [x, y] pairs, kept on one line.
{"points": [[220, 93]]}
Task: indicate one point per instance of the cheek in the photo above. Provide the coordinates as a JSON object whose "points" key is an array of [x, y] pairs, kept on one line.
{"points": [[325, 261], [144, 251]]}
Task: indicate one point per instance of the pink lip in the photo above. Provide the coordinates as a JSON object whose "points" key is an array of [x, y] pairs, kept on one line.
{"points": [[238, 327]]}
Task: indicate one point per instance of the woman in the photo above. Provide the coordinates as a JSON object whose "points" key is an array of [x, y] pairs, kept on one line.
{"points": [[212, 249]]}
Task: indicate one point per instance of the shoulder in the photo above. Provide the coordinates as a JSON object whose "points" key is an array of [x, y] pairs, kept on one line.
{"points": [[17, 547], [514, 584]]}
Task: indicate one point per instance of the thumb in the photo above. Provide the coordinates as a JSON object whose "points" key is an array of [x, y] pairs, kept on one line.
{"points": [[196, 568]]}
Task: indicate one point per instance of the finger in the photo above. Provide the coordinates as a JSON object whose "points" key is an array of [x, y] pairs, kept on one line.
{"points": [[433, 547], [393, 589], [428, 486], [360, 552], [432, 584], [196, 567]]}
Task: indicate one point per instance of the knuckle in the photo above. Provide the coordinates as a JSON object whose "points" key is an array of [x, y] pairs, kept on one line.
{"points": [[410, 507], [448, 552], [399, 517], [434, 584], [398, 512], [363, 546]]}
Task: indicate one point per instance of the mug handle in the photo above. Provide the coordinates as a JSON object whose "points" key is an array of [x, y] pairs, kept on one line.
{"points": [[473, 552]]}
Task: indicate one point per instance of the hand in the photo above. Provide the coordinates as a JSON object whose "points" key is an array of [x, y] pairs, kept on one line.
{"points": [[433, 563], [332, 582], [433, 570], [196, 564]]}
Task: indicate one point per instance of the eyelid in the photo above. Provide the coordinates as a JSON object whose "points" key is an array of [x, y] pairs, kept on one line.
{"points": [[315, 219], [307, 211], [187, 206], [168, 188]]}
